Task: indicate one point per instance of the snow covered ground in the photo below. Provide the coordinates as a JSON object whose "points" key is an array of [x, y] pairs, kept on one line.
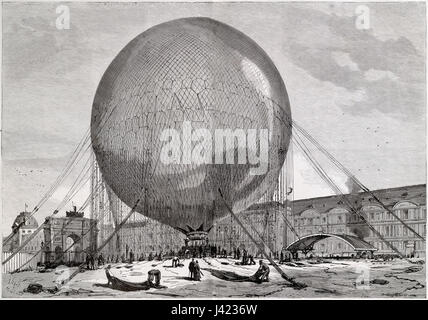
{"points": [[329, 279]]}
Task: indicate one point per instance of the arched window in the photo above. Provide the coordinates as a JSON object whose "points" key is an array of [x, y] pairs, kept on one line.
{"points": [[407, 210], [373, 213], [336, 215], [308, 216]]}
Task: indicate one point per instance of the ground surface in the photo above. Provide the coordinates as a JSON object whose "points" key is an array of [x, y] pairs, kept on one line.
{"points": [[329, 279]]}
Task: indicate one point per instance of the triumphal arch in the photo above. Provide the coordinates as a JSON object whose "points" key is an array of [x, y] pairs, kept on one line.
{"points": [[69, 239]]}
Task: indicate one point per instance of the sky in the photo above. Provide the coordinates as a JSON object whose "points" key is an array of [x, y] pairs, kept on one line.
{"points": [[360, 93]]}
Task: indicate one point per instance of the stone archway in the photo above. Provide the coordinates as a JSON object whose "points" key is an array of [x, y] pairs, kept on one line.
{"points": [[69, 235], [73, 249]]}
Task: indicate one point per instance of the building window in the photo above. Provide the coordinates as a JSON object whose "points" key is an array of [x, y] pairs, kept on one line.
{"points": [[416, 216], [405, 213]]}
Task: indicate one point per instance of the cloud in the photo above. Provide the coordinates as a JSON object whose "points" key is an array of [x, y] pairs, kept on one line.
{"points": [[360, 93], [344, 60], [376, 75], [391, 72]]}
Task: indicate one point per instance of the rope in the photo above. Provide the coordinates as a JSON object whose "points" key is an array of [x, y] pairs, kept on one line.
{"points": [[337, 190], [66, 171], [352, 177], [261, 248], [31, 237], [105, 242], [118, 227]]}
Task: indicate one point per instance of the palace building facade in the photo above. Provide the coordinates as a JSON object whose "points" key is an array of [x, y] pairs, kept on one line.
{"points": [[330, 215], [277, 225]]}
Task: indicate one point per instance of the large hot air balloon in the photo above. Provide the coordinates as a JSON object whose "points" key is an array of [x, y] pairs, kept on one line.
{"points": [[190, 74]]}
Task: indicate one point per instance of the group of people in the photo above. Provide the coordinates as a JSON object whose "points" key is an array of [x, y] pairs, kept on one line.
{"points": [[92, 263], [285, 256], [213, 251], [247, 259], [131, 257], [195, 270]]}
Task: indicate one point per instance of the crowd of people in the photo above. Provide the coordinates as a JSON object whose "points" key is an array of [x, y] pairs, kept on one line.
{"points": [[186, 252], [247, 259]]}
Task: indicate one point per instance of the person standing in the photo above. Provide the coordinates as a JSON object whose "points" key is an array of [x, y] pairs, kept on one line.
{"points": [[244, 257], [197, 271], [175, 262], [88, 261], [192, 268], [92, 262], [100, 259]]}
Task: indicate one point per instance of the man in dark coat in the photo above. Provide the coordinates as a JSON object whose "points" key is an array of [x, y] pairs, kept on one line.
{"points": [[192, 268], [244, 257], [88, 261], [263, 272], [92, 262], [197, 271]]}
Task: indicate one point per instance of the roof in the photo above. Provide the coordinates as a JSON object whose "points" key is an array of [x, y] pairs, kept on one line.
{"points": [[390, 197], [307, 242], [30, 221], [266, 206]]}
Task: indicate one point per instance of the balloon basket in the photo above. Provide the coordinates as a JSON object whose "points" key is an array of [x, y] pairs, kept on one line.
{"points": [[197, 238]]}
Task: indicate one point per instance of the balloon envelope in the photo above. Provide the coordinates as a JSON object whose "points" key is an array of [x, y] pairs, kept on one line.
{"points": [[190, 74]]}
